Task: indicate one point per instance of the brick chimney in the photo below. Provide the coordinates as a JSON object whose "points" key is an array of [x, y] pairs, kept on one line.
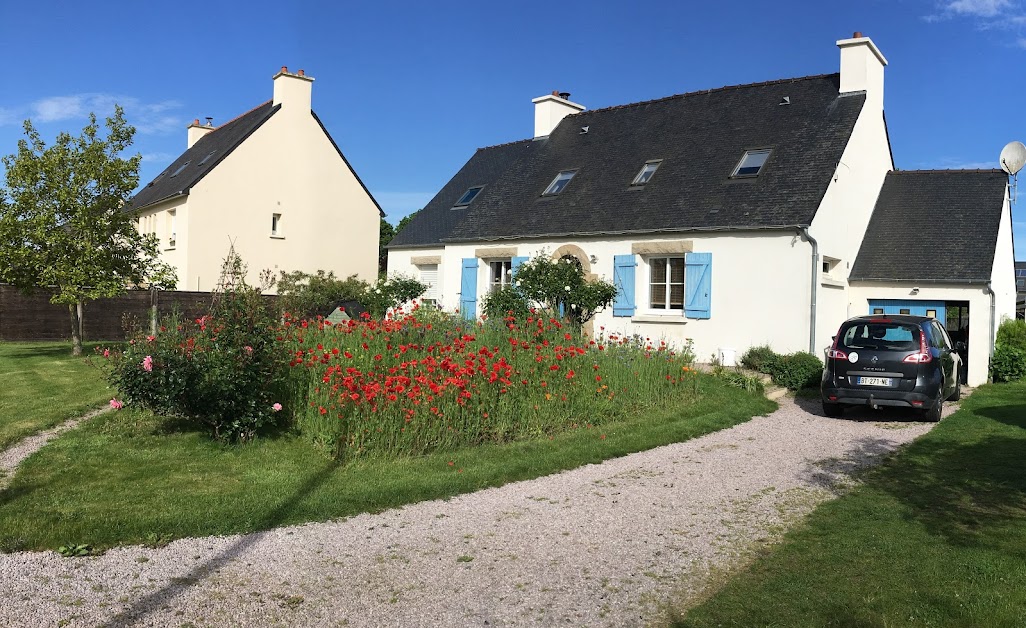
{"points": [[197, 130], [293, 91], [550, 109], [862, 68]]}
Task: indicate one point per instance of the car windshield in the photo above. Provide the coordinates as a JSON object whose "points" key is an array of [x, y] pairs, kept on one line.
{"points": [[881, 336]]}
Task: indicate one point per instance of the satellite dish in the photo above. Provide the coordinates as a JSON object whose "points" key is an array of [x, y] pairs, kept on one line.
{"points": [[1013, 157]]}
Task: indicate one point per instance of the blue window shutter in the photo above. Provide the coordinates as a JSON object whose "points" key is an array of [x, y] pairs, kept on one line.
{"points": [[468, 289], [697, 285], [623, 279], [515, 264]]}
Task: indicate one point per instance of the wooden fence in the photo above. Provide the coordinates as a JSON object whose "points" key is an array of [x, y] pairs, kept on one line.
{"points": [[33, 317]]}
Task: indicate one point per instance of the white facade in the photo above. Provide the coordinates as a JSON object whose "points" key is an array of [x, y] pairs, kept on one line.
{"points": [[285, 197]]}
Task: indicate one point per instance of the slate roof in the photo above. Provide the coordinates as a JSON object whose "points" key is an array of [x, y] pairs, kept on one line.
{"points": [[933, 225], [699, 136], [438, 218], [221, 142]]}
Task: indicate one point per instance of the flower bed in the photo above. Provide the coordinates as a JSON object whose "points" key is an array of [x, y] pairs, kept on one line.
{"points": [[426, 381]]}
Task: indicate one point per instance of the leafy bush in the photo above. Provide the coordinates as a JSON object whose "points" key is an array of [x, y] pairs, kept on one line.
{"points": [[305, 296], [508, 301], [560, 289], [1012, 333], [391, 293], [797, 370], [1008, 364], [738, 379], [760, 359], [222, 371]]}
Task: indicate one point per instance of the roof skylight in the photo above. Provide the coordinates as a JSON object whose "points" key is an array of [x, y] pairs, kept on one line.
{"points": [[207, 158], [646, 172], [751, 164], [560, 182], [179, 169], [469, 196]]}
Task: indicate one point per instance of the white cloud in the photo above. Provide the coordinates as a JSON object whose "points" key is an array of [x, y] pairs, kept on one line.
{"points": [[158, 157], [148, 118], [973, 165], [978, 8]]}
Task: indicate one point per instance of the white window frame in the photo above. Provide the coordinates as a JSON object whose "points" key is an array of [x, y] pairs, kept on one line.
{"points": [[564, 175], [751, 153], [650, 167], [506, 277], [172, 223], [276, 231], [646, 291], [432, 295]]}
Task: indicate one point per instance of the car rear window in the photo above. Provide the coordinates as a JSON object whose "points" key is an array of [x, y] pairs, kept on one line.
{"points": [[882, 336]]}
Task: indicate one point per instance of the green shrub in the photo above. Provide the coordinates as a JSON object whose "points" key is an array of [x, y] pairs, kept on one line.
{"points": [[222, 371], [738, 379], [760, 359], [1012, 333], [508, 301], [797, 370], [391, 293], [305, 296], [560, 289], [1008, 364]]}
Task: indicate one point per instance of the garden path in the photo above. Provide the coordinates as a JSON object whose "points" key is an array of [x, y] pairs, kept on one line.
{"points": [[14, 455], [605, 544]]}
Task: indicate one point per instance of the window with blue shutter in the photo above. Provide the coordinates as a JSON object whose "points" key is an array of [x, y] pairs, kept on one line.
{"points": [[623, 279], [697, 285], [468, 289], [515, 264]]}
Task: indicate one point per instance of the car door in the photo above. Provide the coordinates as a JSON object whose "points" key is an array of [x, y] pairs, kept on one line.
{"points": [[948, 357]]}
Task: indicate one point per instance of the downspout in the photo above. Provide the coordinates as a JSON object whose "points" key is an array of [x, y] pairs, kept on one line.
{"points": [[993, 315], [815, 286]]}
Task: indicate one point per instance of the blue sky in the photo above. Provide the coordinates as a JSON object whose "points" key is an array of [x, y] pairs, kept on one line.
{"points": [[410, 89]]}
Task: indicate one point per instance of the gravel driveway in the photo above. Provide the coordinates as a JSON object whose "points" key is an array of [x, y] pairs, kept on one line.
{"points": [[601, 545]]}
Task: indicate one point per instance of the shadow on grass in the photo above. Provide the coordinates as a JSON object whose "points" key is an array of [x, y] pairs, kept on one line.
{"points": [[53, 350], [136, 613]]}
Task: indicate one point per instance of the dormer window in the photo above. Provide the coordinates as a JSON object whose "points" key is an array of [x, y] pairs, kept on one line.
{"points": [[560, 182], [646, 172], [469, 196], [751, 164], [179, 169]]}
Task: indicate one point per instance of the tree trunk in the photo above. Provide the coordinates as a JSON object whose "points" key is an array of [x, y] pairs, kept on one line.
{"points": [[76, 327]]}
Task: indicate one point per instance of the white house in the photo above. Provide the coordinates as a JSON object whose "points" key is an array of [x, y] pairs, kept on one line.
{"points": [[733, 216], [273, 182]]}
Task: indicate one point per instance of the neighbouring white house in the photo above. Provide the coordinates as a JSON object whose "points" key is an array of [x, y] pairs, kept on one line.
{"points": [[754, 214], [273, 183]]}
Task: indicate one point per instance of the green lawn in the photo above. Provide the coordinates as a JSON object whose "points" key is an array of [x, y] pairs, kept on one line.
{"points": [[42, 385], [935, 537], [126, 477]]}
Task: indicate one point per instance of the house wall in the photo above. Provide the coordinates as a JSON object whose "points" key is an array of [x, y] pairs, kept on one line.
{"points": [[760, 287], [288, 167], [1003, 273], [980, 340], [173, 254], [844, 213]]}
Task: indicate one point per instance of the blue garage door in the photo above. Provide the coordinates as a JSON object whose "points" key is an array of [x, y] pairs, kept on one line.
{"points": [[907, 306]]}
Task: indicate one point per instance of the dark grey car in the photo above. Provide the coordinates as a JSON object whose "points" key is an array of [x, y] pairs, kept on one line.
{"points": [[891, 360]]}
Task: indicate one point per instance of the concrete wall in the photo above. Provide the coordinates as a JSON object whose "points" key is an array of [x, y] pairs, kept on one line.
{"points": [[1003, 273], [175, 254]]}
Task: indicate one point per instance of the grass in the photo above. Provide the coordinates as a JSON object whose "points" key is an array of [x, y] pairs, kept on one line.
{"points": [[42, 385], [127, 477], [934, 537]]}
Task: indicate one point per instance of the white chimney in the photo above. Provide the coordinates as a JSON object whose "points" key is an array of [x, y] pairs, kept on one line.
{"points": [[197, 130], [293, 91], [550, 109], [862, 68]]}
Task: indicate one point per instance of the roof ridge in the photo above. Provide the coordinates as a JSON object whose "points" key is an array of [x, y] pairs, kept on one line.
{"points": [[241, 115], [529, 139], [940, 170], [713, 90]]}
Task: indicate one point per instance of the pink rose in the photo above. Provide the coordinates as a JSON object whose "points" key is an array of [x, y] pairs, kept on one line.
{"points": [[147, 363], [117, 405], [276, 407]]}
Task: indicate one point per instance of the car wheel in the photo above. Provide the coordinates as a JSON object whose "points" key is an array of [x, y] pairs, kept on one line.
{"points": [[833, 410], [955, 396], [933, 414]]}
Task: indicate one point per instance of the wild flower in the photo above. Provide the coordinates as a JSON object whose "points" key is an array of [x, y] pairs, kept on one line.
{"points": [[117, 405], [276, 407], [147, 363]]}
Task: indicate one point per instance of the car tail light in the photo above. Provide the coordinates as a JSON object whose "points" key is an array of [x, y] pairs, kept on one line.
{"points": [[834, 353], [924, 354]]}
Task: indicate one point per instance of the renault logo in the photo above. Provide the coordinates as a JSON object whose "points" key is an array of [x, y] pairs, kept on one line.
{"points": [[875, 359]]}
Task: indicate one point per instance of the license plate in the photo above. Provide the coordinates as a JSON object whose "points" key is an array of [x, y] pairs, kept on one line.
{"points": [[874, 381]]}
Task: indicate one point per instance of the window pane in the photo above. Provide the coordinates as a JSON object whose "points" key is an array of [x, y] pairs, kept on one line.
{"points": [[646, 173], [559, 182], [677, 297], [677, 270], [659, 270], [468, 196], [659, 296], [752, 163]]}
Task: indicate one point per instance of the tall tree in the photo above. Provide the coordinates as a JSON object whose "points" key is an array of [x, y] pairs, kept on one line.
{"points": [[386, 235], [62, 219]]}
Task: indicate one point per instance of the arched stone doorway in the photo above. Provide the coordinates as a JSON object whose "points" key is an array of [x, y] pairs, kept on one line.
{"points": [[577, 253]]}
